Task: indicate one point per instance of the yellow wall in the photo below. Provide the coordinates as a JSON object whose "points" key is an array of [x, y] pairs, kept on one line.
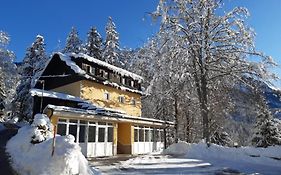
{"points": [[95, 92], [124, 133], [124, 136], [72, 89]]}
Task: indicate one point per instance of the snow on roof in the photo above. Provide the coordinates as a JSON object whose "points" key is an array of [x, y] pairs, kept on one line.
{"points": [[109, 66], [71, 63], [52, 94], [122, 87], [78, 70], [104, 112]]}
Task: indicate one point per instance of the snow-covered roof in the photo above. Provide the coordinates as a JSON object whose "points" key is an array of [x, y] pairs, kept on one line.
{"points": [[84, 104], [94, 113], [52, 94], [109, 66], [69, 62]]}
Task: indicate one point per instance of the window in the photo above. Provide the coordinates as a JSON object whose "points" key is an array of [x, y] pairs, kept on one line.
{"points": [[115, 78], [92, 134], [61, 129], [161, 135], [73, 131], [93, 71], [132, 83], [106, 96], [82, 133], [147, 135], [110, 134], [105, 74], [133, 102], [86, 67], [136, 135], [141, 135], [101, 135], [157, 138], [121, 99], [123, 80], [127, 82]]}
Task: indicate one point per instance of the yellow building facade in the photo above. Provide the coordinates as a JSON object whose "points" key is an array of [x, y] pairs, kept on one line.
{"points": [[104, 114]]}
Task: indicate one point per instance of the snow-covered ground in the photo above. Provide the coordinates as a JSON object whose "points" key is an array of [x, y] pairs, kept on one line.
{"points": [[31, 151], [183, 158]]}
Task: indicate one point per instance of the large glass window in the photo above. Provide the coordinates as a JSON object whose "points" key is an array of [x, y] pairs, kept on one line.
{"points": [[161, 135], [92, 134], [157, 138], [101, 135], [141, 135], [136, 135], [147, 135], [110, 134], [61, 129], [82, 133], [73, 131]]}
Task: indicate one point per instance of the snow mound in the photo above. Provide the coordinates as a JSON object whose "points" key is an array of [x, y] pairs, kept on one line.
{"points": [[245, 159], [33, 159], [177, 149]]}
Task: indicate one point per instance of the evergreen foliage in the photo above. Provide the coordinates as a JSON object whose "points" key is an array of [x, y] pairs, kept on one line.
{"points": [[73, 43], [221, 138], [267, 132], [33, 63], [111, 46], [94, 44]]}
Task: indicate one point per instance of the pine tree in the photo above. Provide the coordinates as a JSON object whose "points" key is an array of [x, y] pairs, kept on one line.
{"points": [[8, 73], [111, 48], [267, 132], [94, 44], [33, 64], [73, 43]]}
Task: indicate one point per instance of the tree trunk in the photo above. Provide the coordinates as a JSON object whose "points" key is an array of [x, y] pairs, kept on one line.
{"points": [[176, 120], [204, 110]]}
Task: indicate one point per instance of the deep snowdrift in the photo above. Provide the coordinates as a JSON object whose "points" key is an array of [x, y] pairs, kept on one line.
{"points": [[245, 159], [34, 159]]}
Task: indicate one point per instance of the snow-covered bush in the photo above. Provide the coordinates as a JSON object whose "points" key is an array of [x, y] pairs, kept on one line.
{"points": [[33, 159], [43, 128]]}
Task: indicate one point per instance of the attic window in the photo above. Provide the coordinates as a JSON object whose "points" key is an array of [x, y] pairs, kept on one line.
{"points": [[121, 99], [123, 80], [105, 74], [93, 71], [132, 83], [86, 67]]}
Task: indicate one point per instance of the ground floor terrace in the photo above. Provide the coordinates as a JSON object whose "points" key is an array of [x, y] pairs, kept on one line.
{"points": [[104, 135]]}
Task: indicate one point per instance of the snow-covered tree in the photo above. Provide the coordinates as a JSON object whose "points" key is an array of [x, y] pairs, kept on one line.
{"points": [[266, 132], [111, 45], [73, 43], [93, 45], [33, 63], [221, 138], [43, 128], [8, 73], [216, 47]]}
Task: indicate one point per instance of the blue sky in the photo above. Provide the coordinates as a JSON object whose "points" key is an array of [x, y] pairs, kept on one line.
{"points": [[53, 19]]}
